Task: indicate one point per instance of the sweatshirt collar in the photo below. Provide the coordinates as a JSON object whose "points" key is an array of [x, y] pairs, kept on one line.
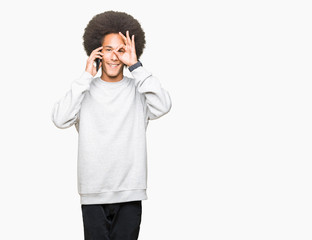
{"points": [[110, 84]]}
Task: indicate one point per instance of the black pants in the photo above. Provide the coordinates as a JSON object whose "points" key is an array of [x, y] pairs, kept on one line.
{"points": [[113, 221]]}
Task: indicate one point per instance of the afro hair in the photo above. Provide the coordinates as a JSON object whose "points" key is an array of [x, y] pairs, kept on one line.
{"points": [[112, 22]]}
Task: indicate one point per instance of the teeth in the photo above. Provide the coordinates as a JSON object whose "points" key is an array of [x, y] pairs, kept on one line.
{"points": [[113, 65]]}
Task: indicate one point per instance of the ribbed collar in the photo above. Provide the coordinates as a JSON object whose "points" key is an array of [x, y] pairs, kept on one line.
{"points": [[111, 84]]}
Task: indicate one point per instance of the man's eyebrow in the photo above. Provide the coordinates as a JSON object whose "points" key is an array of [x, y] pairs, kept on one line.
{"points": [[108, 46]]}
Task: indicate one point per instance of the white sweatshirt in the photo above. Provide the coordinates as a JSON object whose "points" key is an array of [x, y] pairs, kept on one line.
{"points": [[111, 120]]}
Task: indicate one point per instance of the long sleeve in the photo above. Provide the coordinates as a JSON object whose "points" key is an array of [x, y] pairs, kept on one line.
{"points": [[157, 99], [66, 111]]}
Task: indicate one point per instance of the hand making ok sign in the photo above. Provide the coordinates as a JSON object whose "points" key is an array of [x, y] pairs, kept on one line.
{"points": [[126, 52]]}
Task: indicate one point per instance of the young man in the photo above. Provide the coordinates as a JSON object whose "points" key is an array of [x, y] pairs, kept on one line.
{"points": [[111, 114]]}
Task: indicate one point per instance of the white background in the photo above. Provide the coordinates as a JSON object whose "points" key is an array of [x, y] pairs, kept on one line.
{"points": [[231, 160]]}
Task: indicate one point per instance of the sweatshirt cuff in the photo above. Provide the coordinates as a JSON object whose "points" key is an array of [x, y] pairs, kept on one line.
{"points": [[86, 74], [140, 74], [85, 78]]}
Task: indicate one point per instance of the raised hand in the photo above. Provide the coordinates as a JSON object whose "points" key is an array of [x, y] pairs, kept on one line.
{"points": [[96, 53], [126, 52]]}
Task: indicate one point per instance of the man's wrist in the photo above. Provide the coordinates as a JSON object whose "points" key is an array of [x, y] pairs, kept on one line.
{"points": [[134, 66]]}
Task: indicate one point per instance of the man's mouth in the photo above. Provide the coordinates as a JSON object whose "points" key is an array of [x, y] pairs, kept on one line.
{"points": [[113, 65]]}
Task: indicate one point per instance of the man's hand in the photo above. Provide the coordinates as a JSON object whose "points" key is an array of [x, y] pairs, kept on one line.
{"points": [[96, 53], [126, 52]]}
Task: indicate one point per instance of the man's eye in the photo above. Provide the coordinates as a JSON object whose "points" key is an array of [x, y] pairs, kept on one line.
{"points": [[107, 50], [121, 50]]}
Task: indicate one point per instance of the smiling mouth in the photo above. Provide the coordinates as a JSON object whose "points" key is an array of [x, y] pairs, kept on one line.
{"points": [[113, 65]]}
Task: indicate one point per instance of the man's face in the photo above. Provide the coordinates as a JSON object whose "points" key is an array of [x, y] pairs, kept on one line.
{"points": [[111, 66]]}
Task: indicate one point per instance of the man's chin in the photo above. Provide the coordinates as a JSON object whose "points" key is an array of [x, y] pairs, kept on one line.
{"points": [[114, 74]]}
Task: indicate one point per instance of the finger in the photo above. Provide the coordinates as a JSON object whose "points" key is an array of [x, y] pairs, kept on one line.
{"points": [[123, 37], [128, 38], [117, 54], [97, 49], [121, 46], [96, 56], [133, 43], [93, 57]]}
